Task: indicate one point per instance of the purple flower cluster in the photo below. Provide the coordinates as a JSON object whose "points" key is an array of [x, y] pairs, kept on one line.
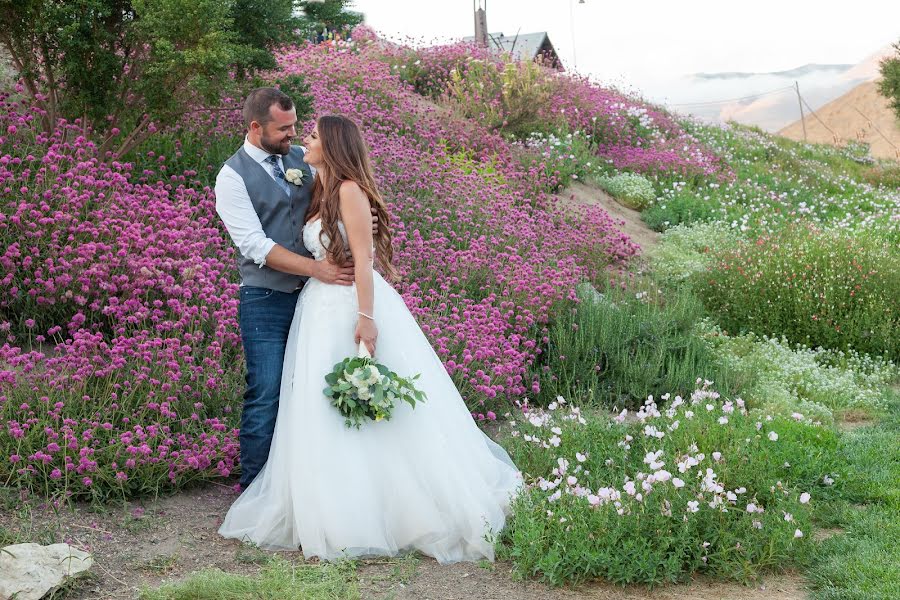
{"points": [[121, 349]]}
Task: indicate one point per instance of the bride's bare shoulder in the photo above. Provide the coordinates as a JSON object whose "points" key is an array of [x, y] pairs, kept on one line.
{"points": [[353, 198]]}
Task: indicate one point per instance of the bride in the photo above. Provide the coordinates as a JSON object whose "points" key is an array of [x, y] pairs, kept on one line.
{"points": [[428, 479]]}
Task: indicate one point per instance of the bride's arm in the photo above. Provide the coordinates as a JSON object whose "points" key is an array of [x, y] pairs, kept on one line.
{"points": [[357, 220]]}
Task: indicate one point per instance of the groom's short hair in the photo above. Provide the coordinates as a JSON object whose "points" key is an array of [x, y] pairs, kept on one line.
{"points": [[260, 101]]}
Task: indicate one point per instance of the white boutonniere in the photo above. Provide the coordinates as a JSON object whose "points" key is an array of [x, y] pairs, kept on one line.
{"points": [[294, 176]]}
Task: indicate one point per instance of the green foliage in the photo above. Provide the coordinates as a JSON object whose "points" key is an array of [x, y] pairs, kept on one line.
{"points": [[618, 348], [830, 288], [261, 25], [466, 162], [778, 182], [579, 521], [332, 15], [564, 157], [889, 85], [633, 190], [682, 207], [511, 97], [685, 250], [278, 580], [126, 67], [296, 87]]}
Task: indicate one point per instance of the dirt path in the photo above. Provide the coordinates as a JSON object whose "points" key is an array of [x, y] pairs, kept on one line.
{"points": [[167, 539], [630, 220]]}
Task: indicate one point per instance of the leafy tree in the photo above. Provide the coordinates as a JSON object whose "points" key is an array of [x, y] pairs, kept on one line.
{"points": [[125, 66], [331, 14], [889, 86]]}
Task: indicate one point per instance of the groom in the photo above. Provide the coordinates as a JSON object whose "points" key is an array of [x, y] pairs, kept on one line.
{"points": [[264, 214]]}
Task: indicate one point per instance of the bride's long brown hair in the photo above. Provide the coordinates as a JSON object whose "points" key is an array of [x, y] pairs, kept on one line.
{"points": [[346, 158]]}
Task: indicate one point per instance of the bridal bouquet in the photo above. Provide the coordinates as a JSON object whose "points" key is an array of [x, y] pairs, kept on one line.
{"points": [[362, 389]]}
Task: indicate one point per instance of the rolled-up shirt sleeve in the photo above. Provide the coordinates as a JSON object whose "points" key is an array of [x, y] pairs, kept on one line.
{"points": [[234, 207]]}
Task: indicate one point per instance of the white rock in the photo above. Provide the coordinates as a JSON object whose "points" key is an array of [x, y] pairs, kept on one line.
{"points": [[30, 571]]}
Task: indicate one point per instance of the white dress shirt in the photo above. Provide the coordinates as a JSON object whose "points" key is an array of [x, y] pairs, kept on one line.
{"points": [[236, 210]]}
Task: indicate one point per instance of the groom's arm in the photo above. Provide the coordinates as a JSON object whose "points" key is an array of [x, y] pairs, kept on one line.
{"points": [[234, 207], [282, 259]]}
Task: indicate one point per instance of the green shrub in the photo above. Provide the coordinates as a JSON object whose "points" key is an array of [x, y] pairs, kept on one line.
{"points": [[703, 486], [782, 379], [633, 190], [829, 288], [617, 348], [683, 207], [685, 250], [563, 157], [511, 98]]}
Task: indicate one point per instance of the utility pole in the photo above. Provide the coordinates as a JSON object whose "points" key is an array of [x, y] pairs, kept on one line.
{"points": [[572, 28], [480, 24], [800, 101]]}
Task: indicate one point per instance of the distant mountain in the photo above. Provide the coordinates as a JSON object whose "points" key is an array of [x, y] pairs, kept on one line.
{"points": [[804, 71], [769, 100]]}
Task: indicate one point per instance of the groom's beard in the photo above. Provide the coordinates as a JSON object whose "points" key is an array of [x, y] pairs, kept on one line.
{"points": [[275, 147]]}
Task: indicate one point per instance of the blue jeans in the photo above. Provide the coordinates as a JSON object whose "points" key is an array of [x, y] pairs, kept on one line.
{"points": [[265, 318]]}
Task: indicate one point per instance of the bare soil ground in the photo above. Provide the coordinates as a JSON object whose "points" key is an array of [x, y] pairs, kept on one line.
{"points": [[629, 220], [167, 539]]}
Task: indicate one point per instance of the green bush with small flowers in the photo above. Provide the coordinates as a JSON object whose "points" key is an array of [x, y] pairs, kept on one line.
{"points": [[831, 287], [632, 190], [691, 485]]}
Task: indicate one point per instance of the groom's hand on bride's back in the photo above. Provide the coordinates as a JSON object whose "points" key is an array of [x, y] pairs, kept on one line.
{"points": [[328, 272], [374, 221]]}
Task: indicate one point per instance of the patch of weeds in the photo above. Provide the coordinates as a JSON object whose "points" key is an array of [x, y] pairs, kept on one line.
{"points": [[251, 554], [162, 563], [405, 568], [278, 580]]}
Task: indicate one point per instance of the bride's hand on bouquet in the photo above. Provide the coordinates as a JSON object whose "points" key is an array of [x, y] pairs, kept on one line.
{"points": [[367, 332]]}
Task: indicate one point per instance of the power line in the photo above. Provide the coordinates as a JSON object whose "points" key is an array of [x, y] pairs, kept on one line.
{"points": [[836, 136], [876, 128], [751, 97]]}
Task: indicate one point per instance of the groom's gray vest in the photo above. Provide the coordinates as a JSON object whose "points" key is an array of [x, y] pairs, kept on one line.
{"points": [[282, 217]]}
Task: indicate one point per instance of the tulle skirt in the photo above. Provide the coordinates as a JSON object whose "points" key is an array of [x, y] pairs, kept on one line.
{"points": [[427, 480]]}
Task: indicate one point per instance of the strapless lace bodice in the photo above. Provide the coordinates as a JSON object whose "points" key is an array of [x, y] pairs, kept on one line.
{"points": [[311, 239], [314, 244]]}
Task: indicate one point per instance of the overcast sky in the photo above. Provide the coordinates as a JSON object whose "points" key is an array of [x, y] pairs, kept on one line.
{"points": [[644, 43]]}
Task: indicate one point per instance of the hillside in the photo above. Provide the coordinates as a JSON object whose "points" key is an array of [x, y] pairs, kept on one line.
{"points": [[861, 114]]}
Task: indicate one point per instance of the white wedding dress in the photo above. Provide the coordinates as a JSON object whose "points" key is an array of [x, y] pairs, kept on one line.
{"points": [[427, 480]]}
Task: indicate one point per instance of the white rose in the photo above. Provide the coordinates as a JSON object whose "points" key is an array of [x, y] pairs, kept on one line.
{"points": [[294, 176]]}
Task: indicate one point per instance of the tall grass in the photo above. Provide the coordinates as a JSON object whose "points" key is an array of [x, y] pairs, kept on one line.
{"points": [[618, 347]]}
